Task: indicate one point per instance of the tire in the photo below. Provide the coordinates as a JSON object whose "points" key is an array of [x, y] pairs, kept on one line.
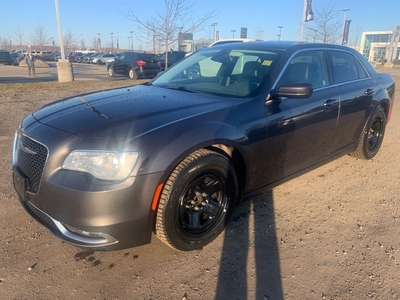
{"points": [[197, 201], [132, 74], [111, 72], [193, 73], [372, 137]]}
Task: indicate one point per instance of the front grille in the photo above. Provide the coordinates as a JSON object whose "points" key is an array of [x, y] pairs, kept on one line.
{"points": [[31, 158]]}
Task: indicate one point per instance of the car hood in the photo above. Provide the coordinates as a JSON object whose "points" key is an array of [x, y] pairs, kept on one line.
{"points": [[129, 111]]}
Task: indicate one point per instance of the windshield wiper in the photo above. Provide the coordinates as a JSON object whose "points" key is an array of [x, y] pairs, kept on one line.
{"points": [[179, 88]]}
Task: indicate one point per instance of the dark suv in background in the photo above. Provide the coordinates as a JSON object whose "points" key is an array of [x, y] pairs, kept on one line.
{"points": [[173, 58], [6, 58], [135, 65]]}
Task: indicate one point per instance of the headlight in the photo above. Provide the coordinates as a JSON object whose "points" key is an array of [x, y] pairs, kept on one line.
{"points": [[101, 164]]}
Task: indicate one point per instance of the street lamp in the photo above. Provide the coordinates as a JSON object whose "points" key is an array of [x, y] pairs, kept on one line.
{"points": [[132, 39], [344, 20], [129, 42], [233, 33], [280, 32], [215, 24], [81, 41], [99, 41], [112, 42], [315, 34]]}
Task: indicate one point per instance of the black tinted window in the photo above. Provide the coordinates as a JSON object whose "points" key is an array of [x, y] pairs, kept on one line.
{"points": [[362, 73], [344, 66], [307, 67], [148, 57]]}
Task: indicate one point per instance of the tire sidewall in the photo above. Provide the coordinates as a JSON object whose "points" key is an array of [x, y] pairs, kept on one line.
{"points": [[132, 74], [217, 166], [111, 72], [379, 113]]}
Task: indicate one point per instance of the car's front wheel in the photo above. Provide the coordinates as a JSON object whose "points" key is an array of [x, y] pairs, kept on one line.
{"points": [[132, 74], [373, 134], [197, 201], [111, 72]]}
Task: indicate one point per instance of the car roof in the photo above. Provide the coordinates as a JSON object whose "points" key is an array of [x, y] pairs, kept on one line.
{"points": [[282, 45], [233, 40]]}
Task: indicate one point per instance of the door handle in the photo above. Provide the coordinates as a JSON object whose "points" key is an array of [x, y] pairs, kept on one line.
{"points": [[369, 92], [330, 102]]}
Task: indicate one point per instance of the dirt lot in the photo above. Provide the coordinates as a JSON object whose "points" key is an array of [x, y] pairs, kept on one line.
{"points": [[333, 233]]}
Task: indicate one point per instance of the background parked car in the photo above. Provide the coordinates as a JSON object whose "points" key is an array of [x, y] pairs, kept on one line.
{"points": [[51, 56], [87, 58], [135, 65], [81, 59], [173, 58], [103, 58], [6, 58], [17, 55]]}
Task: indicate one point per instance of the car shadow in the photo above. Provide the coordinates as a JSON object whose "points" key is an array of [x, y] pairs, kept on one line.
{"points": [[250, 265]]}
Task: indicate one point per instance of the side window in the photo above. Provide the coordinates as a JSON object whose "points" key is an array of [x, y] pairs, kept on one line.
{"points": [[306, 67], [344, 66], [362, 73], [121, 57]]}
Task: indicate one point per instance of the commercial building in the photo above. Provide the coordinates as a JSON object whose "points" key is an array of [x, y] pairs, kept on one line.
{"points": [[381, 45]]}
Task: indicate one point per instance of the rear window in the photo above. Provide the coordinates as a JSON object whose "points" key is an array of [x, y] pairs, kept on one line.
{"points": [[146, 56], [344, 66]]}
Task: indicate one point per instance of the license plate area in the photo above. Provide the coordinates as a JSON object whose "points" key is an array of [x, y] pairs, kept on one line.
{"points": [[20, 183]]}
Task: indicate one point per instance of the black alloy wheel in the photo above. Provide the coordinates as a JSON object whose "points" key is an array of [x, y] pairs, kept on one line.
{"points": [[197, 201], [372, 138]]}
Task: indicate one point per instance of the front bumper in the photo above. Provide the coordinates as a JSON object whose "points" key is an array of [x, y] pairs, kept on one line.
{"points": [[100, 221]]}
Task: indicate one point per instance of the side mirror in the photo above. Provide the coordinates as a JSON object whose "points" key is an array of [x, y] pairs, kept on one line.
{"points": [[294, 90]]}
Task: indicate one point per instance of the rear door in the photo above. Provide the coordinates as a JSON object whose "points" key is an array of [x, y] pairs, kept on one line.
{"points": [[120, 64], [355, 88]]}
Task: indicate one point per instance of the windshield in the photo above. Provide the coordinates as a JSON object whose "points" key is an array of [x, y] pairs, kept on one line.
{"points": [[227, 72]]}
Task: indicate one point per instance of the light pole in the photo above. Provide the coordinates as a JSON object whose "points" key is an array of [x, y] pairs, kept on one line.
{"points": [[64, 67], [315, 35], [280, 32], [129, 42], [233, 33], [117, 42], [99, 41], [132, 39], [81, 41], [344, 20], [112, 42], [215, 24]]}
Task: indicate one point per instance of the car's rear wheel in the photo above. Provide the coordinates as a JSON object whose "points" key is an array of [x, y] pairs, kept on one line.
{"points": [[132, 74], [111, 72], [197, 201], [373, 134]]}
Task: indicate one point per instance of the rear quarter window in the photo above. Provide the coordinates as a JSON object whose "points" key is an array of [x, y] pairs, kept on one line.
{"points": [[344, 66]]}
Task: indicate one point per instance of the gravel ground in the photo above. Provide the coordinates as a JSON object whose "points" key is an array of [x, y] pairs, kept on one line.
{"points": [[333, 233]]}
